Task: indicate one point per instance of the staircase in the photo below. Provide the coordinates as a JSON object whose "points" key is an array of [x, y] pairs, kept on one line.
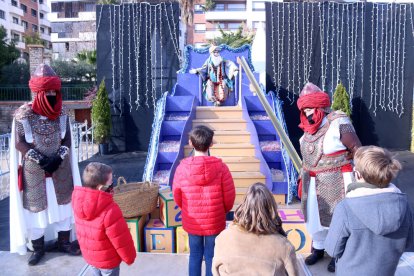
{"points": [[244, 137], [231, 143]]}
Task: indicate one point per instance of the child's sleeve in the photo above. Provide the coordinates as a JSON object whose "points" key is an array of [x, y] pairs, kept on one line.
{"points": [[177, 186], [338, 232], [118, 233], [291, 263], [409, 247], [229, 191]]}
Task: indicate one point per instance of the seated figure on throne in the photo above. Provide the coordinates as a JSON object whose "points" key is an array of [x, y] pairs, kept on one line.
{"points": [[217, 74]]}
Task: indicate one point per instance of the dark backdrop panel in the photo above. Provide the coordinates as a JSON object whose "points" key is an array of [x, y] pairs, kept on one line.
{"points": [[386, 128], [137, 54]]}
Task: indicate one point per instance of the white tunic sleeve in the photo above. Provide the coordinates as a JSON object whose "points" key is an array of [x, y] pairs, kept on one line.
{"points": [[332, 141]]}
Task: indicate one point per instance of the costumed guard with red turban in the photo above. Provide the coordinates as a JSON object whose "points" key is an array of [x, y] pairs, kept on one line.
{"points": [[327, 146], [43, 170]]}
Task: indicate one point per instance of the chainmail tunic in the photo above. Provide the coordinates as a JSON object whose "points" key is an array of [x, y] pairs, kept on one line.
{"points": [[326, 169], [45, 136]]}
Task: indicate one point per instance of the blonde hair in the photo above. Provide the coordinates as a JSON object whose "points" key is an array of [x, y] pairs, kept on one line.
{"points": [[376, 165], [258, 212], [96, 174]]}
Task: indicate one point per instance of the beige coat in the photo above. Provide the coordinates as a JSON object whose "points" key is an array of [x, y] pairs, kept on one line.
{"points": [[238, 252]]}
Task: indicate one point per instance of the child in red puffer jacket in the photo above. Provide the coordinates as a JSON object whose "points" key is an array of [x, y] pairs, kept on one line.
{"points": [[102, 232], [204, 190]]}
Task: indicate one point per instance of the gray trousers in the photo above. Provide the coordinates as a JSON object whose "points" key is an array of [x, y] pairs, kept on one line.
{"points": [[104, 272]]}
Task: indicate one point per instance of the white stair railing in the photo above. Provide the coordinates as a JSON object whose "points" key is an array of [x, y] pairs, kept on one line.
{"points": [[83, 140], [4, 153]]}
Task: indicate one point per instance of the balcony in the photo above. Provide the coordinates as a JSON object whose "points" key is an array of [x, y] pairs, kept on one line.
{"points": [[44, 7], [20, 45], [15, 10], [226, 15], [17, 28], [71, 16], [45, 36], [44, 22]]}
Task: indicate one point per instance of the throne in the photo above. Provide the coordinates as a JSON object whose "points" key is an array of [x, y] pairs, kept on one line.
{"points": [[195, 58]]}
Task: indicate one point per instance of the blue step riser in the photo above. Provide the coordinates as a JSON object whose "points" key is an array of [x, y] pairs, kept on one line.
{"points": [[253, 103], [275, 165], [166, 157], [280, 187], [179, 103], [170, 138], [164, 166], [272, 156], [172, 128], [264, 128], [187, 85], [269, 137]]}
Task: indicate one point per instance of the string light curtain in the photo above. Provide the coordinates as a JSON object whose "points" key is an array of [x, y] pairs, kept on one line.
{"points": [[361, 45], [144, 50]]}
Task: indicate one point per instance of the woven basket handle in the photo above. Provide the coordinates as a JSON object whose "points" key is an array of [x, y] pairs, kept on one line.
{"points": [[121, 178]]}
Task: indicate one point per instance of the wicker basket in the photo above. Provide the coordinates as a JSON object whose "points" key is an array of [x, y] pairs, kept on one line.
{"points": [[136, 198]]}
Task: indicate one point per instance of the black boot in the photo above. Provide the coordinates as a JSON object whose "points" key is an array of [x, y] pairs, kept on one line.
{"points": [[331, 265], [64, 245], [38, 251], [316, 255]]}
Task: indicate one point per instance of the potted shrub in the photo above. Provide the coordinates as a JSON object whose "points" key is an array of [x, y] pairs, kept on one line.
{"points": [[341, 100], [101, 118]]}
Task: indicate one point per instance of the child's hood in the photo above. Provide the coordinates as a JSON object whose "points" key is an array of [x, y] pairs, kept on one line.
{"points": [[201, 170], [89, 204], [381, 213]]}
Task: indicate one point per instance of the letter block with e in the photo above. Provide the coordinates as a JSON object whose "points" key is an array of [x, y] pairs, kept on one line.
{"points": [[158, 238]]}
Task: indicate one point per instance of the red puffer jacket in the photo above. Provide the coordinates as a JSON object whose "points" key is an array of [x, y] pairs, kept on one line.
{"points": [[204, 190], [102, 232]]}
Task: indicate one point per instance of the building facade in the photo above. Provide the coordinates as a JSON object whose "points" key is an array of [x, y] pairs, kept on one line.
{"points": [[73, 26], [228, 15], [11, 19], [24, 18]]}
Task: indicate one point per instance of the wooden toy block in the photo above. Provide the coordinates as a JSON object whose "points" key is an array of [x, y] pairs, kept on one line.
{"points": [[298, 236], [183, 245], [170, 213], [280, 199], [158, 238], [155, 214], [136, 228], [291, 215]]}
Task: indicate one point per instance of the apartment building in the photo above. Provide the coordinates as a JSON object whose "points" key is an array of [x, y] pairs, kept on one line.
{"points": [[73, 26], [227, 15], [10, 18], [23, 18], [34, 20]]}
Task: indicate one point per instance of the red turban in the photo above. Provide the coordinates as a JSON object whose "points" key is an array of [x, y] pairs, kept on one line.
{"points": [[312, 96], [45, 79]]}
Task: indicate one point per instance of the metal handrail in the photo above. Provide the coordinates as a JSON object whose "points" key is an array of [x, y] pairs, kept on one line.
{"points": [[4, 153], [297, 162], [83, 140]]}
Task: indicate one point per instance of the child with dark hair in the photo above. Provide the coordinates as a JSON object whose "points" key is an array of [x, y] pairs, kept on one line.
{"points": [[373, 226], [204, 190], [255, 243], [103, 234]]}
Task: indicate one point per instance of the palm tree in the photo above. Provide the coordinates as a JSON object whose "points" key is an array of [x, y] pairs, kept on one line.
{"points": [[233, 39], [187, 11]]}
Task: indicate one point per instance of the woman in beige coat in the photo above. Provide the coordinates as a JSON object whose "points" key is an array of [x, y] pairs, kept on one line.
{"points": [[255, 243]]}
